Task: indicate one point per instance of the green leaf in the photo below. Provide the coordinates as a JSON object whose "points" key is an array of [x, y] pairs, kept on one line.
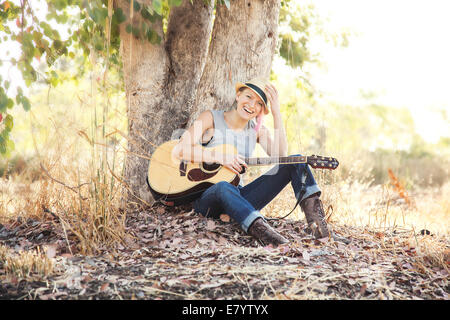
{"points": [[10, 146], [157, 5], [3, 102], [10, 103], [54, 79], [149, 14], [60, 4], [148, 9], [26, 103], [100, 15], [57, 44], [153, 37], [9, 123], [118, 16], [47, 29], [175, 2], [98, 45], [128, 28], [135, 31], [136, 6]]}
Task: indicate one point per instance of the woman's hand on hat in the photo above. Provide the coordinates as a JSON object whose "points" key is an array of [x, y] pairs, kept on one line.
{"points": [[272, 97]]}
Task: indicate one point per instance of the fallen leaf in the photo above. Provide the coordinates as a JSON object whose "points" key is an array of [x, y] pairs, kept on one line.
{"points": [[50, 250], [225, 218], [104, 287], [379, 235], [160, 210], [306, 255], [176, 241], [210, 225], [168, 233], [214, 285], [204, 241], [407, 266], [363, 289]]}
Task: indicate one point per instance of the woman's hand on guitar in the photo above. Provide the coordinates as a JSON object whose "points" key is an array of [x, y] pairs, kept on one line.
{"points": [[232, 162]]}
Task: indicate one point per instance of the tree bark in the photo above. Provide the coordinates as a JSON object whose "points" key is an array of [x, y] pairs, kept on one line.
{"points": [[159, 82], [187, 43], [243, 43]]}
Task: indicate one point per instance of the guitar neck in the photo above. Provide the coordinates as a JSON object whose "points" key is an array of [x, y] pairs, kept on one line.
{"points": [[274, 160]]}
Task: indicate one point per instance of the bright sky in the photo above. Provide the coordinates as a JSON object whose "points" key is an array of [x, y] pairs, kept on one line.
{"points": [[402, 53]]}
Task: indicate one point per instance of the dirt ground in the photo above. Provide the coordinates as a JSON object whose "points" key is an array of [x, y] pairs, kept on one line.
{"points": [[177, 254]]}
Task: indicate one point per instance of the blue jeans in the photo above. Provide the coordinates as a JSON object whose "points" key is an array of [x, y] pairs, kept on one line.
{"points": [[243, 204]]}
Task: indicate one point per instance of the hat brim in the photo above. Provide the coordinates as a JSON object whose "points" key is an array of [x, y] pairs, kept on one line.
{"points": [[240, 85]]}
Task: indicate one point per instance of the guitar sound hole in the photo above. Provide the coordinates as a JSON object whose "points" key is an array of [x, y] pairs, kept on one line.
{"points": [[210, 166]]}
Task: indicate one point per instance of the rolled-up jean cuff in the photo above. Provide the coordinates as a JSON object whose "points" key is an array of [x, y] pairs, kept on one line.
{"points": [[310, 190], [249, 220]]}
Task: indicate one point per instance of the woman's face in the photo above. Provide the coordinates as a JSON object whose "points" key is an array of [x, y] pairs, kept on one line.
{"points": [[249, 104]]}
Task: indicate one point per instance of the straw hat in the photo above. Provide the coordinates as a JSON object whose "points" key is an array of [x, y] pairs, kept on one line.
{"points": [[257, 85]]}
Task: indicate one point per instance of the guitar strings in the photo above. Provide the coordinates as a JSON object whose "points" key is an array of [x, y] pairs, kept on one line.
{"points": [[247, 159]]}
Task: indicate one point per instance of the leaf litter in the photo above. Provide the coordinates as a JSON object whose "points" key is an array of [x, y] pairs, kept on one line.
{"points": [[178, 254]]}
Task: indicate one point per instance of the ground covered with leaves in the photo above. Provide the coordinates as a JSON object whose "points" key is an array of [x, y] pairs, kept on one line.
{"points": [[178, 254]]}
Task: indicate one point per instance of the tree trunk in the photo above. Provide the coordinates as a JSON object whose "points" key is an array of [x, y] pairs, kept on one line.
{"points": [[159, 84], [168, 84], [243, 43]]}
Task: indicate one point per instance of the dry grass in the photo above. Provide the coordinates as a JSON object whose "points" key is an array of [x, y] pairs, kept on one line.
{"points": [[383, 210], [86, 203], [90, 211], [24, 264], [78, 161]]}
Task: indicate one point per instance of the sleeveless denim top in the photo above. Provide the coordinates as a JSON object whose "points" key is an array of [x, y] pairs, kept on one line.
{"points": [[244, 140]]}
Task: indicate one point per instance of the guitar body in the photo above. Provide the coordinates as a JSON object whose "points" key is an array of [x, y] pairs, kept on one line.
{"points": [[176, 182]]}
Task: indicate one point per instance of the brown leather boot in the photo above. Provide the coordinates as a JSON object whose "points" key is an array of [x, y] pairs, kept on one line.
{"points": [[262, 231], [315, 216]]}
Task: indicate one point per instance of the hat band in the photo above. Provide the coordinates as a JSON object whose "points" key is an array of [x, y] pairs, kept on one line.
{"points": [[258, 90]]}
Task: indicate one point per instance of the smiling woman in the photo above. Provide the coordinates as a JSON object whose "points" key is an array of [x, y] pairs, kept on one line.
{"points": [[214, 128]]}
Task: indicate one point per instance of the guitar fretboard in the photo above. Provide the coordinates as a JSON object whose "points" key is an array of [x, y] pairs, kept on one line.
{"points": [[274, 160]]}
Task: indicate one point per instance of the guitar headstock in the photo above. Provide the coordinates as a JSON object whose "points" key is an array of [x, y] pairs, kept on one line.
{"points": [[320, 162]]}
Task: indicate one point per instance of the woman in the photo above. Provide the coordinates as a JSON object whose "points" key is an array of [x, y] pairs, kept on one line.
{"points": [[237, 126]]}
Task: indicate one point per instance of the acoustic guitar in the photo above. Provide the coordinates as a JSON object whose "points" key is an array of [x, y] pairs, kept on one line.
{"points": [[174, 181]]}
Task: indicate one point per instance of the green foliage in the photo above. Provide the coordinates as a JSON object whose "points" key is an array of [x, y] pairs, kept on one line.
{"points": [[90, 26], [299, 22]]}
